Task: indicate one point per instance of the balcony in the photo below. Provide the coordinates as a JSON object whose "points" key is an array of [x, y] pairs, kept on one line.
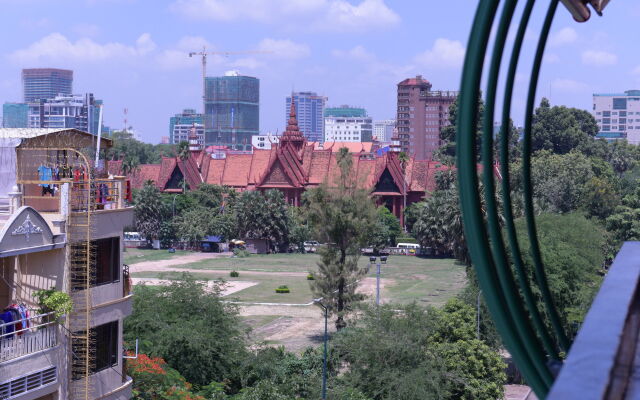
{"points": [[16, 341], [64, 196]]}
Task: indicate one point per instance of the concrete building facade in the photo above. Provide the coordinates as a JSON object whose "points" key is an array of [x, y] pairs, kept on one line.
{"points": [[232, 110], [46, 83], [264, 142], [421, 114], [15, 115], [347, 124], [383, 130], [310, 109], [180, 123], [80, 112], [44, 241], [618, 115]]}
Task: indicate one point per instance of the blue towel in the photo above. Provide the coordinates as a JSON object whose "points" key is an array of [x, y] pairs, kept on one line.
{"points": [[7, 317]]}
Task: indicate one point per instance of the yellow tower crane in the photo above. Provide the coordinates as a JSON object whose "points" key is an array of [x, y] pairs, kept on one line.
{"points": [[204, 53]]}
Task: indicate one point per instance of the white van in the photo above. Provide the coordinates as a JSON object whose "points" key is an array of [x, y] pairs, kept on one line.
{"points": [[408, 246]]}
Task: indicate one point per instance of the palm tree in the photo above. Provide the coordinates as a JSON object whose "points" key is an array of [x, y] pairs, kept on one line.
{"points": [[130, 165], [183, 150]]}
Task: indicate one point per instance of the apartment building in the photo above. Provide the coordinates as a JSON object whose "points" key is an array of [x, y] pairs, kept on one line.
{"points": [[62, 229], [421, 114], [347, 124], [618, 115]]}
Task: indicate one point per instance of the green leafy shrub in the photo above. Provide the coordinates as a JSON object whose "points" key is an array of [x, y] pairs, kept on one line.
{"points": [[283, 289], [234, 274], [241, 253], [310, 277], [54, 301]]}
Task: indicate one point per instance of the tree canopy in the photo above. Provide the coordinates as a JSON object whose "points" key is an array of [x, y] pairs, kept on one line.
{"points": [[344, 217]]}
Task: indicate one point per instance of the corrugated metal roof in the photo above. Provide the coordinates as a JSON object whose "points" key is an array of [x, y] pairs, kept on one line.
{"points": [[26, 133]]}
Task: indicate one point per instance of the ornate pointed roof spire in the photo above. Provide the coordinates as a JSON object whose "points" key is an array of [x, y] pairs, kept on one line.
{"points": [[292, 134]]}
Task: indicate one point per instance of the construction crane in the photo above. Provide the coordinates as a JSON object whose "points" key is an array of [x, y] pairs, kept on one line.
{"points": [[204, 53]]}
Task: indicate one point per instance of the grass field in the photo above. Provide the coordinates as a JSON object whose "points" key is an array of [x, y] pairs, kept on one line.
{"points": [[406, 278], [134, 255]]}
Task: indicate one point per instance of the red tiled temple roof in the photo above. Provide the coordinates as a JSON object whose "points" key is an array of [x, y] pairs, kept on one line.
{"points": [[293, 163]]}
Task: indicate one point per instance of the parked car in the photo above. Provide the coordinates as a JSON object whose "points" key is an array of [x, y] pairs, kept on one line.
{"points": [[311, 246]]}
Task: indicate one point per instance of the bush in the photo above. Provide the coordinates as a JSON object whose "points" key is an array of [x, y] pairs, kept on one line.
{"points": [[241, 253], [234, 274], [54, 301], [283, 289], [310, 277]]}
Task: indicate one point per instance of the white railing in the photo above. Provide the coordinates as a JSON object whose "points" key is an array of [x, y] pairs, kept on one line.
{"points": [[41, 334]]}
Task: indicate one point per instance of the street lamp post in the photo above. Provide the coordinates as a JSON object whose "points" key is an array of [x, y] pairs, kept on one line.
{"points": [[373, 259], [324, 357]]}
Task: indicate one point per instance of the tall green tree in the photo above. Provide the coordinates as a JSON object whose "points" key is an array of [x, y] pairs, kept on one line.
{"points": [[149, 210], [438, 225], [573, 252], [413, 353], [624, 222], [263, 216], [561, 129], [387, 229], [559, 180], [188, 325], [344, 217]]}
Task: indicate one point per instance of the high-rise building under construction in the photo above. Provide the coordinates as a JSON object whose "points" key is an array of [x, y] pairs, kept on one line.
{"points": [[46, 83], [232, 113]]}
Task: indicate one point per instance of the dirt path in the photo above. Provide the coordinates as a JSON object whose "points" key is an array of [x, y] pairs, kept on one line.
{"points": [[231, 286], [296, 326], [162, 265]]}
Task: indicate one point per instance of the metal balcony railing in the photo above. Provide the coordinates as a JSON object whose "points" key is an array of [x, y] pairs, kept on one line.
{"points": [[493, 246], [16, 341]]}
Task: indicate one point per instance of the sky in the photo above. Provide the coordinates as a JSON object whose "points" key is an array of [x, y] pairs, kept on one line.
{"points": [[134, 53]]}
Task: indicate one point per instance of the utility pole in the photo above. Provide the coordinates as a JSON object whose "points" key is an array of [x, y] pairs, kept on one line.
{"points": [[324, 357]]}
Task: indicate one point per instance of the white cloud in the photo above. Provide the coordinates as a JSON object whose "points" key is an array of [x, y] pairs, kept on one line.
{"points": [[356, 53], [445, 53], [562, 37], [284, 48], [569, 85], [177, 57], [323, 15], [551, 58], [599, 58], [56, 47], [344, 16]]}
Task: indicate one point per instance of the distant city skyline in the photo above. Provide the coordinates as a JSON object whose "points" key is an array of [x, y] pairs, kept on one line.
{"points": [[351, 51]]}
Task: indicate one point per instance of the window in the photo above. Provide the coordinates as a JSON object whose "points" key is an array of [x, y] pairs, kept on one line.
{"points": [[606, 128], [622, 127], [623, 120], [104, 345], [107, 253], [606, 113], [619, 103], [623, 113], [107, 264], [606, 120]]}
